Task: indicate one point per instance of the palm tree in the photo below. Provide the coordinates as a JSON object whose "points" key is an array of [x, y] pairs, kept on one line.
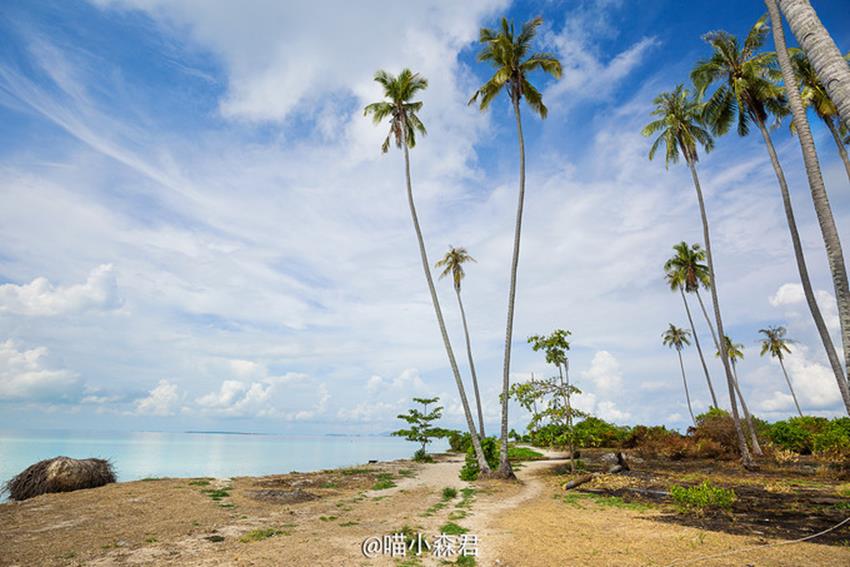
{"points": [[677, 338], [404, 124], [452, 264], [821, 51], [684, 272], [748, 94], [680, 129], [813, 93], [829, 232], [775, 343], [736, 352], [509, 54]]}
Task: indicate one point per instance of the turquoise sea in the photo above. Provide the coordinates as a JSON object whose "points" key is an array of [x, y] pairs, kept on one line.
{"points": [[137, 455]]}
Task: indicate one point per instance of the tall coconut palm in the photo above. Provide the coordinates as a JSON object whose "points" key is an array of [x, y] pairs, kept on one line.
{"points": [[452, 264], [747, 94], [401, 110], [821, 51], [813, 94], [680, 128], [684, 272], [736, 353], [829, 231], [675, 337], [509, 53], [775, 343]]}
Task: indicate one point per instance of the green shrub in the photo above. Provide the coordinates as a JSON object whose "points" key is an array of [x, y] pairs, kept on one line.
{"points": [[523, 454], [422, 456], [718, 427], [798, 433], [595, 432], [459, 442], [702, 497], [449, 493], [834, 440], [470, 468]]}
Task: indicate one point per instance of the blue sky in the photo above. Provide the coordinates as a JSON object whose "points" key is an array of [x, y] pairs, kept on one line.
{"points": [[199, 230]]}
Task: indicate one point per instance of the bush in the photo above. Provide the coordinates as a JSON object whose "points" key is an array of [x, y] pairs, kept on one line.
{"points": [[470, 468], [716, 428], [798, 433], [833, 442], [422, 456], [702, 497], [459, 442], [595, 432]]}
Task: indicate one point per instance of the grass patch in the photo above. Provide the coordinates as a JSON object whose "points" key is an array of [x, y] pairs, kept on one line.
{"points": [[524, 454], [329, 484], [449, 493], [457, 515], [227, 505], [260, 534], [434, 509], [349, 523], [383, 481], [451, 528], [467, 495], [702, 497], [150, 540], [406, 473], [327, 518], [577, 499], [466, 561], [217, 493], [153, 478], [199, 482], [352, 472], [215, 538]]}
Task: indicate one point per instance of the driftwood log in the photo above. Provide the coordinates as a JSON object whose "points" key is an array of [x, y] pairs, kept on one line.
{"points": [[621, 466]]}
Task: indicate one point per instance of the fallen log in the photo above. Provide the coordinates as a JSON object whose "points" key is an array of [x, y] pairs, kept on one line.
{"points": [[621, 466]]}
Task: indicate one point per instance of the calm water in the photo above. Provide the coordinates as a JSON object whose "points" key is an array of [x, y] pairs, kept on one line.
{"points": [[143, 454]]}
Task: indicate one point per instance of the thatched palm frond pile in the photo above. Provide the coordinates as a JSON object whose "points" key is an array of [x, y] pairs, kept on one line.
{"points": [[60, 474]]}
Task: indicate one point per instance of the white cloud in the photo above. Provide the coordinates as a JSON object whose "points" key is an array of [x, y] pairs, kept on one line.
{"points": [[161, 401], [791, 295], [25, 375], [604, 372], [41, 298]]}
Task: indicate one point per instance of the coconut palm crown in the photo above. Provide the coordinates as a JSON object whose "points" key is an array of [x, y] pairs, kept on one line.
{"points": [[747, 88], [774, 342], [679, 125], [404, 122], [686, 268], [676, 337], [452, 264], [508, 52]]}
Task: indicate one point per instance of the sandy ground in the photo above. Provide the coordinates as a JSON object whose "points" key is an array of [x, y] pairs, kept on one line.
{"points": [[518, 524]]}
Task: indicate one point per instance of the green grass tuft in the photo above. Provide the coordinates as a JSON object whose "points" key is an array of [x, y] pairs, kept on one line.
{"points": [[260, 534], [449, 493], [451, 528], [702, 497]]}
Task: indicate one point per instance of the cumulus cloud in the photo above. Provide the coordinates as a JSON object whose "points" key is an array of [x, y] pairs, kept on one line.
{"points": [[814, 383], [41, 298], [291, 396], [25, 375], [790, 295], [604, 372], [162, 400]]}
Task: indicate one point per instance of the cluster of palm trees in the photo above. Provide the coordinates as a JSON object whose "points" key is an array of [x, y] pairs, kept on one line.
{"points": [[746, 91], [742, 84], [510, 54]]}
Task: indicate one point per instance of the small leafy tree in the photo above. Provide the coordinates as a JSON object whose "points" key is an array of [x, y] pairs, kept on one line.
{"points": [[421, 429], [549, 400]]}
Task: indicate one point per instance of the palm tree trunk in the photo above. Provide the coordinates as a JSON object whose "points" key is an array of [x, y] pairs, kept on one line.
{"points": [[708, 320], [790, 387], [832, 242], [747, 417], [699, 351], [819, 48], [471, 365], [476, 442], [842, 151], [505, 470], [569, 418], [685, 382], [724, 355], [754, 441]]}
